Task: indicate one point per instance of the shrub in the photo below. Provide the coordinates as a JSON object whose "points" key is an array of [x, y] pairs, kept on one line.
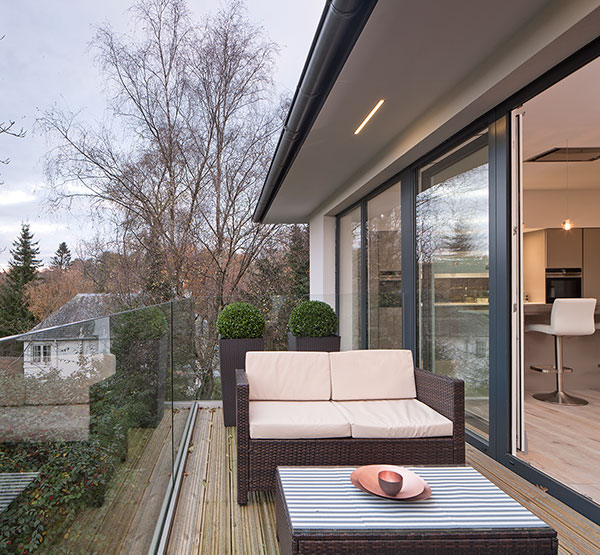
{"points": [[139, 385], [313, 319], [240, 321], [72, 476]]}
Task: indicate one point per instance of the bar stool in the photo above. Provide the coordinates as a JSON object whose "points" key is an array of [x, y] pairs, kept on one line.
{"points": [[569, 317]]}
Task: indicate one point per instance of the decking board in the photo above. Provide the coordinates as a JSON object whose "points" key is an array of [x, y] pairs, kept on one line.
{"points": [[209, 520]]}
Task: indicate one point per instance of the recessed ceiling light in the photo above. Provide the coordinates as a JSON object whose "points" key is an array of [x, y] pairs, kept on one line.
{"points": [[369, 116], [570, 154]]}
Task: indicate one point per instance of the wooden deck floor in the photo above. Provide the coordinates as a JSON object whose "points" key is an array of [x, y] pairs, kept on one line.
{"points": [[209, 521]]}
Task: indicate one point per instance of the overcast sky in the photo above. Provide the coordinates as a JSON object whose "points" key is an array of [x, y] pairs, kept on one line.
{"points": [[45, 60]]}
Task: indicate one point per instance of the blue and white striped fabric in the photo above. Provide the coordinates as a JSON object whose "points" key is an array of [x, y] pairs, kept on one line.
{"points": [[324, 497], [12, 484]]}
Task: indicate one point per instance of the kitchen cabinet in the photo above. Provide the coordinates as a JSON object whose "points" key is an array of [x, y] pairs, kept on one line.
{"points": [[534, 266], [564, 249], [591, 262]]}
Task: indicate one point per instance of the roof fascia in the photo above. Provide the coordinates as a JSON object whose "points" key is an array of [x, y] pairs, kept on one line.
{"points": [[340, 26]]}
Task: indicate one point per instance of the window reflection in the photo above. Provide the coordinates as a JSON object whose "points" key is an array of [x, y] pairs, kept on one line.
{"points": [[350, 280], [384, 270], [453, 273]]}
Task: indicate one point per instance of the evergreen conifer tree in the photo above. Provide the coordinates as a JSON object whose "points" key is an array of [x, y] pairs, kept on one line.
{"points": [[297, 259], [15, 316], [62, 258]]}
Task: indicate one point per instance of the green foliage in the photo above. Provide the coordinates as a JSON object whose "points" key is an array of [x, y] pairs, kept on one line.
{"points": [[15, 316], [313, 319], [297, 259], [71, 477], [62, 258], [240, 321], [139, 384], [138, 325], [183, 373]]}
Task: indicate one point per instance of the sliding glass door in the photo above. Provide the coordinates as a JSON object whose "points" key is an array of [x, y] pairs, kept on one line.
{"points": [[452, 250], [370, 273], [384, 270], [349, 279]]}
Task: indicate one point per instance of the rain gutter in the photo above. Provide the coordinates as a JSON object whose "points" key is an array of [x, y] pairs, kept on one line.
{"points": [[340, 26]]}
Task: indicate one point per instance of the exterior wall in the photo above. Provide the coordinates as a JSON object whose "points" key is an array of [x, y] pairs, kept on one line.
{"points": [[322, 258], [64, 356]]}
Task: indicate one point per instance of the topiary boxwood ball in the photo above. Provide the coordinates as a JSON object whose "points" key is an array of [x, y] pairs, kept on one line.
{"points": [[313, 319], [240, 321]]}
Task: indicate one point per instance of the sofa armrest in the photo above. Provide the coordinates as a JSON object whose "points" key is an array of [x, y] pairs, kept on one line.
{"points": [[443, 394], [242, 399], [447, 396], [242, 407]]}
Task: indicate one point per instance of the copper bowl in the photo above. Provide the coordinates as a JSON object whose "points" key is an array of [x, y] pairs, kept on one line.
{"points": [[390, 482]]}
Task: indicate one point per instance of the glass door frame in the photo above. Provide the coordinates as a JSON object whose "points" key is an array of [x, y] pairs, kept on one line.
{"points": [[499, 326]]}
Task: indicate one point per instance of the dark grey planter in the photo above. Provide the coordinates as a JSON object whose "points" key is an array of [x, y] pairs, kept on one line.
{"points": [[232, 356], [328, 344]]}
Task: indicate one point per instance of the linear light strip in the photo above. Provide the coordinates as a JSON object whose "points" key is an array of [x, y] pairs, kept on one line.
{"points": [[369, 116]]}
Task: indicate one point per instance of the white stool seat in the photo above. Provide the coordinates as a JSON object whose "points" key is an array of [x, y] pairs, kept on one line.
{"points": [[542, 328], [569, 317]]}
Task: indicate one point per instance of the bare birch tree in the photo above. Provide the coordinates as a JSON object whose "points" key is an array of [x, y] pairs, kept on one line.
{"points": [[181, 159]]}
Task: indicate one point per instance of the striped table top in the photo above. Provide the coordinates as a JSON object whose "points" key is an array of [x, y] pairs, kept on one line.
{"points": [[323, 497], [12, 484]]}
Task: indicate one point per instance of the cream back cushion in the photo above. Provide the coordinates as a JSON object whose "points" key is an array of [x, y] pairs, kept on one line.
{"points": [[372, 374], [288, 376]]}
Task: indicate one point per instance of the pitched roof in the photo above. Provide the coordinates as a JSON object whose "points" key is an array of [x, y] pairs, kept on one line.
{"points": [[83, 306]]}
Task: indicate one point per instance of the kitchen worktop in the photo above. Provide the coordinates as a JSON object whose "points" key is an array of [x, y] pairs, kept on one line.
{"points": [[533, 308]]}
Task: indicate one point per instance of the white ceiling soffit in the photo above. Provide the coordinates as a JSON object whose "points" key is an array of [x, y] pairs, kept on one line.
{"points": [[565, 115], [439, 66]]}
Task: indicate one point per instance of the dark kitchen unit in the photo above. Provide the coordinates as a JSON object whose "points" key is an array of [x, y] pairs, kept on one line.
{"points": [[563, 283]]}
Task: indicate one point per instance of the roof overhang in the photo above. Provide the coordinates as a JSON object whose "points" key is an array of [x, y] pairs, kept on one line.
{"points": [[438, 65]]}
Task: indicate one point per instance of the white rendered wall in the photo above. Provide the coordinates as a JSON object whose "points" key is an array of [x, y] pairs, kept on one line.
{"points": [[322, 258]]}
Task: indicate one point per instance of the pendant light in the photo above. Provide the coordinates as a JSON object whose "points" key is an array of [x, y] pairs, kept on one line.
{"points": [[567, 223]]}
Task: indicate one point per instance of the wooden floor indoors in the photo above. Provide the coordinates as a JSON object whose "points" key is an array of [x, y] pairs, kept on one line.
{"points": [[564, 441], [209, 521]]}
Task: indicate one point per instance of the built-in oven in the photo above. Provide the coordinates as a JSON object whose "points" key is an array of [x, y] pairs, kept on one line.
{"points": [[563, 283]]}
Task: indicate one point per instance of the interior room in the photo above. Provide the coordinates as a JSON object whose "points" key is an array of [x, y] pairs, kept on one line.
{"points": [[561, 260]]}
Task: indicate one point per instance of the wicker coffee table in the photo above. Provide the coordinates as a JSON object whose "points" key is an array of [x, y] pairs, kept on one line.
{"points": [[320, 511]]}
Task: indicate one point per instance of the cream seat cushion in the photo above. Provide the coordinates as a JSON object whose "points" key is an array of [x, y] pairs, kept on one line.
{"points": [[296, 420], [402, 418], [288, 376], [372, 374]]}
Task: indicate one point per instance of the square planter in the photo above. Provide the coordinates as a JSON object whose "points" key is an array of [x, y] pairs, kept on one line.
{"points": [[232, 357], [328, 344]]}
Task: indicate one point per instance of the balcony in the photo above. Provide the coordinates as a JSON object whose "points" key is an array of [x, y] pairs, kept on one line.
{"points": [[105, 447], [208, 519]]}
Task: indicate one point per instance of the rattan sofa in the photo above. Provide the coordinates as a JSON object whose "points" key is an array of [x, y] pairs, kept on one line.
{"points": [[258, 458]]}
